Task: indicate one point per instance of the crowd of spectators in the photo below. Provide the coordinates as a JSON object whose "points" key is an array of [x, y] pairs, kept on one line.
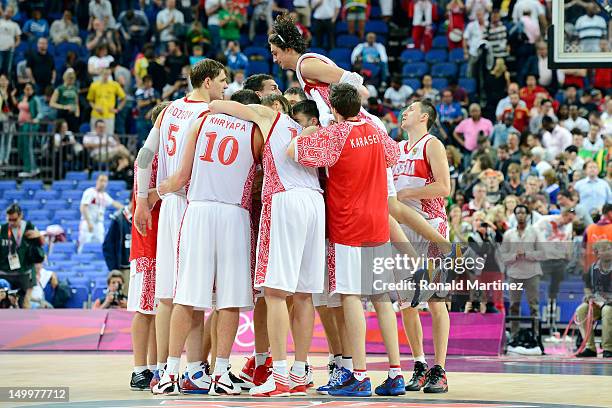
{"points": [[522, 136]]}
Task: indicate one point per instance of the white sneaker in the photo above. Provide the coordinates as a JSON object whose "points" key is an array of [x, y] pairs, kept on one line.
{"points": [[196, 383], [297, 385], [167, 385], [223, 385], [275, 386]]}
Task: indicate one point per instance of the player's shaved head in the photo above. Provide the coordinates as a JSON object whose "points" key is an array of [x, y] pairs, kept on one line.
{"points": [[276, 102], [246, 97], [345, 99]]}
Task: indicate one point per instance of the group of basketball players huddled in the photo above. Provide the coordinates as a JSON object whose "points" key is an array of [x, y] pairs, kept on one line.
{"points": [[208, 236]]}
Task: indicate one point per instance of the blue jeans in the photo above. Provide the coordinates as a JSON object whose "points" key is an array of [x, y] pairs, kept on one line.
{"points": [[6, 61]]}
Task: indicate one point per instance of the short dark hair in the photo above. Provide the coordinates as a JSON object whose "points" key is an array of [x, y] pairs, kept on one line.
{"points": [[99, 121], [428, 108], [307, 108], [207, 68], [14, 209], [270, 99], [157, 109], [345, 99], [521, 206], [296, 90], [246, 97], [285, 35], [565, 193], [547, 120], [606, 208], [255, 82]]}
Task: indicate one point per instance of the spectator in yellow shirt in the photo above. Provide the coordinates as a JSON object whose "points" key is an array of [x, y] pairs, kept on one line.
{"points": [[102, 97]]}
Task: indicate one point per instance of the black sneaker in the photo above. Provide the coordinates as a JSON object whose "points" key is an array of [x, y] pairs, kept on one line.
{"points": [[239, 382], [587, 353], [607, 354], [141, 381], [419, 377], [436, 381]]}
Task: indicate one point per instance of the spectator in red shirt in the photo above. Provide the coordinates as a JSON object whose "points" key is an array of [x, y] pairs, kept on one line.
{"points": [[520, 114], [529, 92]]}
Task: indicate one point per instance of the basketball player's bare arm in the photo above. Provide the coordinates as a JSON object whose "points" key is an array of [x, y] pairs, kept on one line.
{"points": [[317, 70], [179, 179], [440, 188], [142, 213], [262, 116]]}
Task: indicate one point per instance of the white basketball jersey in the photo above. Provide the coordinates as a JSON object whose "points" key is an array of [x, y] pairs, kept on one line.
{"points": [[174, 126], [413, 171], [281, 172], [223, 165]]}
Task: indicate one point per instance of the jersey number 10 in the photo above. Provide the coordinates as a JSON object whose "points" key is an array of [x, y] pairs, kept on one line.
{"points": [[222, 148]]}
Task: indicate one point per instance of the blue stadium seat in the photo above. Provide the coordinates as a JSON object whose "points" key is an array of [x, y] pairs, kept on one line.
{"points": [[63, 48], [32, 185], [72, 227], [439, 83], [100, 290], [41, 223], [316, 50], [115, 185], [258, 67], [8, 185], [15, 195], [61, 216], [456, 55], [340, 55], [412, 55], [28, 205], [57, 257], [463, 70], [123, 195], [77, 175], [96, 174], [255, 52], [415, 70], [68, 265], [85, 184], [377, 26], [345, 65], [78, 298], [440, 41], [84, 128], [375, 12], [39, 214], [469, 84], [374, 69], [341, 27], [444, 69], [91, 248], [436, 56], [83, 258], [347, 41], [55, 205], [62, 185], [64, 247], [413, 83], [46, 195], [72, 195]]}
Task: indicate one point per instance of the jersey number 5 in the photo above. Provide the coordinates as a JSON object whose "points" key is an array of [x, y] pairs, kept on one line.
{"points": [[171, 145], [222, 148]]}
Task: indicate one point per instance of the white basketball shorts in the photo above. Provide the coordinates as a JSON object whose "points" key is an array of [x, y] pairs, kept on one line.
{"points": [[353, 270], [170, 217], [141, 294], [291, 247], [214, 256]]}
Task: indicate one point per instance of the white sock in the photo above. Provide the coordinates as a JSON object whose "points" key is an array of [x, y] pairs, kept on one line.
{"points": [[330, 358], [347, 362], [173, 365], [338, 360], [299, 368], [360, 375], [420, 358], [139, 369], [160, 366], [221, 366], [194, 366], [151, 367], [280, 368], [260, 359], [394, 371]]}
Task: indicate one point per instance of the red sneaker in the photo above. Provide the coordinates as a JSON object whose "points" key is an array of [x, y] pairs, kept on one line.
{"points": [[247, 371], [261, 374]]}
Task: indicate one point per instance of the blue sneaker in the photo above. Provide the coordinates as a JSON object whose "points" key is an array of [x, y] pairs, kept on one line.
{"points": [[155, 379], [353, 388], [338, 376], [392, 387], [196, 383]]}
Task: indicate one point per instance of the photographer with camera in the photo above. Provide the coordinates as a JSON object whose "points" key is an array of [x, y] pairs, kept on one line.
{"points": [[8, 297], [20, 248], [115, 297]]}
